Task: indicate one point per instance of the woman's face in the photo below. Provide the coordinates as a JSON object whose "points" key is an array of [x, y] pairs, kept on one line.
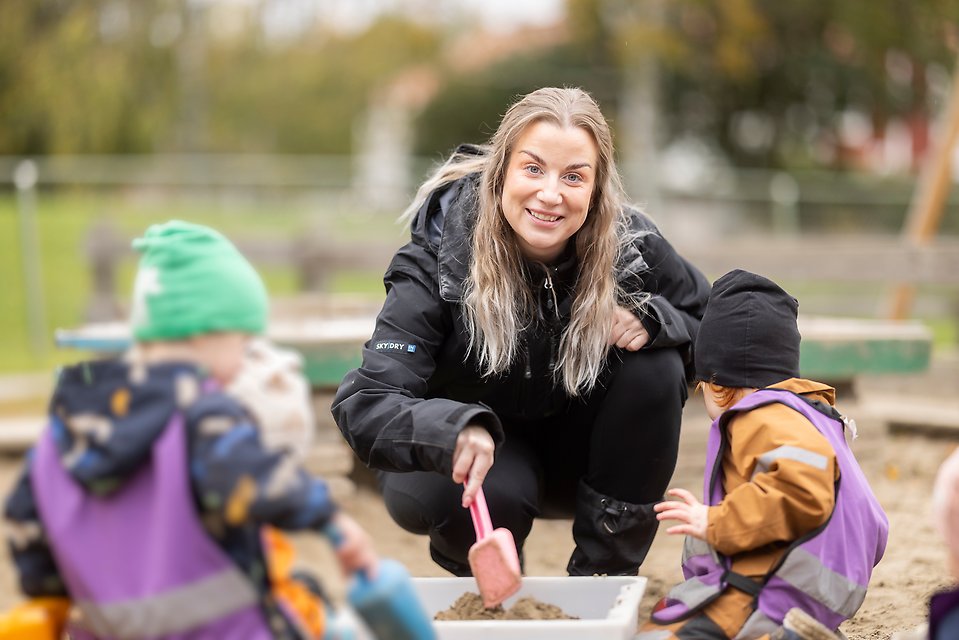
{"points": [[549, 182]]}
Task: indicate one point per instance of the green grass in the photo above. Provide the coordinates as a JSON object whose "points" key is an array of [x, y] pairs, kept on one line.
{"points": [[64, 220], [945, 331]]}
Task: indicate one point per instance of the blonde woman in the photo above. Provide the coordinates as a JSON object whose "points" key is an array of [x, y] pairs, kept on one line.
{"points": [[533, 342]]}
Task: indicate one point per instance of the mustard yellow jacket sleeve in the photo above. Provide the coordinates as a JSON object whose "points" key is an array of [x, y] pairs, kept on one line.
{"points": [[779, 474]]}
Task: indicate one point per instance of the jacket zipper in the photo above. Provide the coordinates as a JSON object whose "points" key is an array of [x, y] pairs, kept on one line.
{"points": [[548, 285]]}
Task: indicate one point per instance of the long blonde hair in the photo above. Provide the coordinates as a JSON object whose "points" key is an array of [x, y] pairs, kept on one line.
{"points": [[498, 304]]}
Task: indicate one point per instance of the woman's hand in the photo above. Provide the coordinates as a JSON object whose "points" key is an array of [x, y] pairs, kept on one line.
{"points": [[355, 552], [472, 459], [627, 331], [690, 511]]}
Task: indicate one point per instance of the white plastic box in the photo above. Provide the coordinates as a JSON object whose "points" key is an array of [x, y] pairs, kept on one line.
{"points": [[607, 608]]}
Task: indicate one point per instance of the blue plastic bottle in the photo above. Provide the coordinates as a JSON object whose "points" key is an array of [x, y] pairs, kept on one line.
{"points": [[388, 604], [339, 626]]}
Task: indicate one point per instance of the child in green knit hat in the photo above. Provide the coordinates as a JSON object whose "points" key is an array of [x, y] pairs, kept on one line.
{"points": [[96, 516]]}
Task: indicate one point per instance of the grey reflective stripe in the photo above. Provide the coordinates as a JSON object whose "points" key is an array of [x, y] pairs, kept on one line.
{"points": [[766, 460], [806, 573], [171, 612], [658, 634], [692, 592], [756, 625], [693, 547]]}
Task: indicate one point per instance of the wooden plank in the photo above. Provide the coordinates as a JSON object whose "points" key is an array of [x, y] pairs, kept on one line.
{"points": [[14, 388], [914, 413], [19, 433], [330, 346], [852, 259]]}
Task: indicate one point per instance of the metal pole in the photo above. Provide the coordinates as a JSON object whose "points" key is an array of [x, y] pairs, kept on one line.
{"points": [[784, 196], [639, 112], [25, 177]]}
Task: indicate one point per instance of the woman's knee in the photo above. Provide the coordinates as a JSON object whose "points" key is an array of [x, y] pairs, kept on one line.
{"points": [[511, 509], [651, 376], [649, 393], [419, 500]]}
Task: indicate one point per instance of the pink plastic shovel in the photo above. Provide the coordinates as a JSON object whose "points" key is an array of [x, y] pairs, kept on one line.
{"points": [[492, 557]]}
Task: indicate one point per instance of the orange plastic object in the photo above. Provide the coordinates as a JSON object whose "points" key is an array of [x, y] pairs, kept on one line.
{"points": [[305, 607], [35, 619]]}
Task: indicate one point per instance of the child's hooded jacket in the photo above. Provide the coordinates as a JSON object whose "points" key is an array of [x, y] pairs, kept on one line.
{"points": [[109, 420]]}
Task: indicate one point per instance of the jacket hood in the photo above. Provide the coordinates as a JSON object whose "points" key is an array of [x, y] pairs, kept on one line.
{"points": [[810, 389], [105, 416], [444, 225]]}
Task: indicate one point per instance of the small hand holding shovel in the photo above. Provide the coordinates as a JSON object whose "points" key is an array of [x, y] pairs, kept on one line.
{"points": [[493, 557]]}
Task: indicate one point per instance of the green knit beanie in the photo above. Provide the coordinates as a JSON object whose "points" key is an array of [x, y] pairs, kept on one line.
{"points": [[190, 281]]}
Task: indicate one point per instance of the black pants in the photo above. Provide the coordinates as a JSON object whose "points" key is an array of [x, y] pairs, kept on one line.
{"points": [[622, 440]]}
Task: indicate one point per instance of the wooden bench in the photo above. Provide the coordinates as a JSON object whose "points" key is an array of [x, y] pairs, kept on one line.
{"points": [[315, 257], [840, 348], [836, 349]]}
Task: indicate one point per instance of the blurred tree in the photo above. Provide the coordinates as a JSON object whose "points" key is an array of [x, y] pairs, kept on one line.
{"points": [[303, 96], [770, 81], [77, 77], [469, 106], [109, 76]]}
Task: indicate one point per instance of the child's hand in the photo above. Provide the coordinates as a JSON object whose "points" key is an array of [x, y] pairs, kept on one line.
{"points": [[691, 512], [356, 551], [945, 507]]}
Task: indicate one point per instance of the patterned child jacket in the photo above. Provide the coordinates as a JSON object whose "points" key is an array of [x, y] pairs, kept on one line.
{"points": [[167, 469]]}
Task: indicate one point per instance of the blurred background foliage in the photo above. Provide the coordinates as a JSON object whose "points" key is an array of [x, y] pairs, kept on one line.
{"points": [[768, 83], [306, 118]]}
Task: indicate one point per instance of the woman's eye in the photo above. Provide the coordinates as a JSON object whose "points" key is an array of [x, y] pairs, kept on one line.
{"points": [[574, 178], [533, 169]]}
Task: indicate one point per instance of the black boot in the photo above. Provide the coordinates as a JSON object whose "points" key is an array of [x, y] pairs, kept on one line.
{"points": [[457, 568], [612, 537]]}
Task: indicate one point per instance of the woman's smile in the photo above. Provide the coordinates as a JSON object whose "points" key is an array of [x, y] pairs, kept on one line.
{"points": [[542, 216]]}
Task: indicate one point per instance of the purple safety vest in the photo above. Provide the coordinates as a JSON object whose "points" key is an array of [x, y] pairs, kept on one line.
{"points": [[138, 562], [826, 572]]}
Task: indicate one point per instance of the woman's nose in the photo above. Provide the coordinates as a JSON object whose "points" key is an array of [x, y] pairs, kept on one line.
{"points": [[550, 195]]}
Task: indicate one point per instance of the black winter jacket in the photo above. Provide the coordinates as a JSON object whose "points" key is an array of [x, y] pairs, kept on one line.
{"points": [[416, 389]]}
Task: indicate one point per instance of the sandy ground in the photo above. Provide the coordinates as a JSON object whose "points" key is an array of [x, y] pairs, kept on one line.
{"points": [[900, 465]]}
